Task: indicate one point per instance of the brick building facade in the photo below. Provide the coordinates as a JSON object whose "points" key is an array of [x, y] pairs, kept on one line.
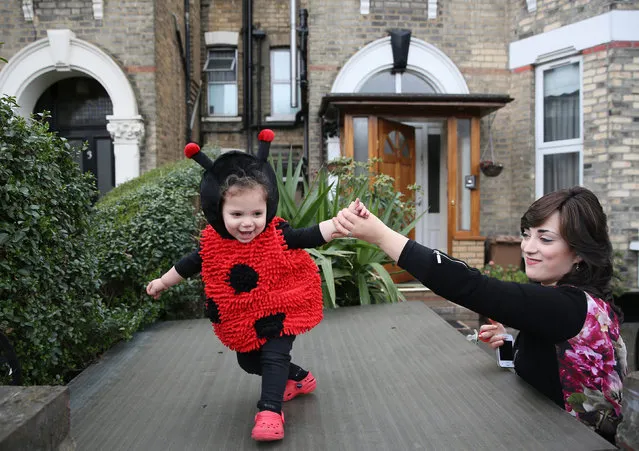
{"points": [[476, 73], [131, 49]]}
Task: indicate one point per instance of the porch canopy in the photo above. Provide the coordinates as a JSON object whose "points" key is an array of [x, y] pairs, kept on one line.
{"points": [[407, 104]]}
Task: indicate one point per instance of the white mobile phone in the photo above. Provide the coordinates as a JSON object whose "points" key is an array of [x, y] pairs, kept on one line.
{"points": [[506, 353]]}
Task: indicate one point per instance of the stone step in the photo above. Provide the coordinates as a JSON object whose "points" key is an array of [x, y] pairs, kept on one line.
{"points": [[35, 418], [415, 291]]}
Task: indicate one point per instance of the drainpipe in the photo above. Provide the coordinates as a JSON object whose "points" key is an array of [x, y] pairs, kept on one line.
{"points": [[293, 52], [247, 37], [259, 36], [187, 69], [303, 114]]}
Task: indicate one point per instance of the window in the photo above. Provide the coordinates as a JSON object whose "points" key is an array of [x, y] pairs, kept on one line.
{"points": [[464, 168], [221, 69], [386, 82], [281, 85], [559, 130]]}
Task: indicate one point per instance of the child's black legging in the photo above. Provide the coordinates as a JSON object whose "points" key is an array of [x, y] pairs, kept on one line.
{"points": [[273, 362]]}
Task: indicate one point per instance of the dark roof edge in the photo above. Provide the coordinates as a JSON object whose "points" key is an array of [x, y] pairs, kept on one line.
{"points": [[485, 99]]}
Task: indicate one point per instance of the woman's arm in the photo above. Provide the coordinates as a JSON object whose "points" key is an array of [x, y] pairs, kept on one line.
{"points": [[554, 313]]}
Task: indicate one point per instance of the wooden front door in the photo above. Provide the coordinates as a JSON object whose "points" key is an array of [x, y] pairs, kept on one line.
{"points": [[396, 149]]}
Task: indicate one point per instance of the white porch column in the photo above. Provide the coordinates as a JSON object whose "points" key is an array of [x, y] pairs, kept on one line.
{"points": [[332, 148], [127, 134], [332, 153]]}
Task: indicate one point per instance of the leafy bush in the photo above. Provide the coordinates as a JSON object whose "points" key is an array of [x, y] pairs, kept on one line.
{"points": [[49, 307], [509, 273], [143, 227], [619, 281], [352, 270]]}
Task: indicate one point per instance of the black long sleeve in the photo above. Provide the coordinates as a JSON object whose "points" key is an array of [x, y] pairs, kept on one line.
{"points": [[552, 313], [190, 264], [305, 238]]}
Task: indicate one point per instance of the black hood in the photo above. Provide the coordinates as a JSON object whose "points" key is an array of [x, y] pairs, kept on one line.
{"points": [[237, 163]]}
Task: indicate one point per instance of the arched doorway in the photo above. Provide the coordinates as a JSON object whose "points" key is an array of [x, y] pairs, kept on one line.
{"points": [[78, 109], [61, 55]]}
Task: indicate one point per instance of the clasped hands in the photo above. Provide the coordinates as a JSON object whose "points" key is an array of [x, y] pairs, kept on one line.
{"points": [[358, 222]]}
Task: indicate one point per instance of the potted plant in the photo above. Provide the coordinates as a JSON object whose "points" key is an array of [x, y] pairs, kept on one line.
{"points": [[490, 167]]}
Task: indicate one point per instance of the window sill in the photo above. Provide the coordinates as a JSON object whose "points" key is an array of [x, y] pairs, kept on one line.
{"points": [[280, 118], [459, 237], [222, 119]]}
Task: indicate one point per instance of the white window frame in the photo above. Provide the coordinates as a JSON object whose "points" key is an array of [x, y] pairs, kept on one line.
{"points": [[275, 116], [208, 82], [398, 79], [556, 147]]}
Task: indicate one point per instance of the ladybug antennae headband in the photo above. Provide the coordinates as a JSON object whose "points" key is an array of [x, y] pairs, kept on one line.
{"points": [[192, 150]]}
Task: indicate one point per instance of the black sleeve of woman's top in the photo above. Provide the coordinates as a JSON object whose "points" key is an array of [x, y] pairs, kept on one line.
{"points": [[189, 265], [554, 313], [305, 238]]}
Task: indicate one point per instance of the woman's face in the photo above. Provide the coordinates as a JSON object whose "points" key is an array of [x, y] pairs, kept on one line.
{"points": [[547, 255]]}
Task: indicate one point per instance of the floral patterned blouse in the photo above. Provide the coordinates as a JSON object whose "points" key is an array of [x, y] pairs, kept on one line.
{"points": [[592, 366]]}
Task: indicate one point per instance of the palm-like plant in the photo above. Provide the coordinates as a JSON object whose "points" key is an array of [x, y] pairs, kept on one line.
{"points": [[352, 270]]}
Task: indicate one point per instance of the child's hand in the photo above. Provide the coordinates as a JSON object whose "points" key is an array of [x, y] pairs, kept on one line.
{"points": [[155, 288], [358, 208]]}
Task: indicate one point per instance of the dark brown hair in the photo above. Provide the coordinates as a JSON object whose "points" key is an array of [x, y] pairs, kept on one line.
{"points": [[583, 224], [243, 182]]}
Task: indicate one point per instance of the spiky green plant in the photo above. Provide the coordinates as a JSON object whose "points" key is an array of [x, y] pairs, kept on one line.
{"points": [[352, 270]]}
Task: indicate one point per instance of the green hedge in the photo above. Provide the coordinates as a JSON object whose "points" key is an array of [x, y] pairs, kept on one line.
{"points": [[49, 307], [141, 228], [73, 275]]}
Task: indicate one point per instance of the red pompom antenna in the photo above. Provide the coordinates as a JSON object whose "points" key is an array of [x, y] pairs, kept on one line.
{"points": [[266, 135], [191, 149]]}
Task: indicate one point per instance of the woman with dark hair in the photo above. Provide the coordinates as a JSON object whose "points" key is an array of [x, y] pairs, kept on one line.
{"points": [[569, 346]]}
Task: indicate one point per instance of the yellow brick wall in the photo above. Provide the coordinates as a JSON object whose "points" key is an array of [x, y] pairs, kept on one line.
{"points": [[472, 252]]}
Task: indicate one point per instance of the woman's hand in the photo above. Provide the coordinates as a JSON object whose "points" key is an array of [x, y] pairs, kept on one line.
{"points": [[492, 334]]}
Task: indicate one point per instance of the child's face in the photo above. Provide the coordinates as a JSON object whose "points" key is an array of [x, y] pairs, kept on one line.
{"points": [[244, 213]]}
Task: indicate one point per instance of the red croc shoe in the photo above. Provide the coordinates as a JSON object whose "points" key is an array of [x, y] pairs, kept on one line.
{"points": [[303, 387], [269, 426]]}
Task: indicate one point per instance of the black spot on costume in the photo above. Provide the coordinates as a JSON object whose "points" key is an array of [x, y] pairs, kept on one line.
{"points": [[212, 312], [243, 278]]}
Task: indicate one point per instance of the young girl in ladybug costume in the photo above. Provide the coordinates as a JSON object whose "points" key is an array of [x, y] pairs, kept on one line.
{"points": [[262, 289]]}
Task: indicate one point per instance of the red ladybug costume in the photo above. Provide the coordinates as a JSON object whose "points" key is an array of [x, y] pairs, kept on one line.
{"points": [[261, 289]]}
